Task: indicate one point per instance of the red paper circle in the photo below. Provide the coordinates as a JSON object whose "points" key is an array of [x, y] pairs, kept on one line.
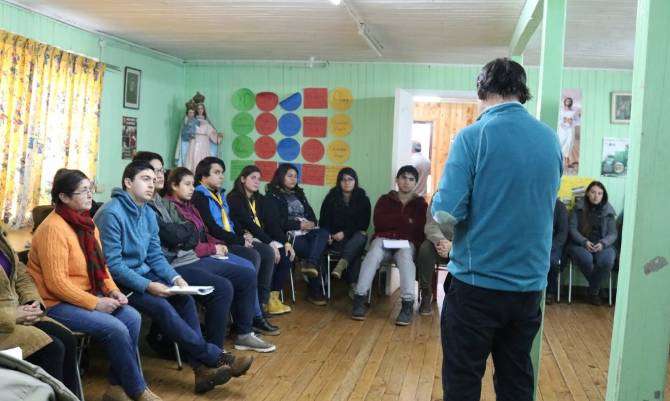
{"points": [[312, 150], [265, 147], [266, 123], [266, 101]]}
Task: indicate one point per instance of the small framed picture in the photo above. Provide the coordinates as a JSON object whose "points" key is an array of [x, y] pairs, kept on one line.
{"points": [[620, 103], [131, 88]]}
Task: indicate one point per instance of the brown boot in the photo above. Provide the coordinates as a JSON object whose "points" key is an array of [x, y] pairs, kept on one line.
{"points": [[341, 266], [238, 364], [206, 378], [115, 393], [309, 269]]}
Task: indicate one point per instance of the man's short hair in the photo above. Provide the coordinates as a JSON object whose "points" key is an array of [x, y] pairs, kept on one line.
{"points": [[408, 169], [148, 156], [205, 165], [132, 169], [505, 78]]}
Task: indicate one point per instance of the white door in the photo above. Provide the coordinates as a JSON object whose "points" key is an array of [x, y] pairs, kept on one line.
{"points": [[402, 131]]}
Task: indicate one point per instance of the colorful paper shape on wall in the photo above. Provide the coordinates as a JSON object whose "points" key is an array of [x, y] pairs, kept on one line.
{"points": [[341, 99], [265, 147], [289, 124], [340, 124], [312, 150], [266, 123], [288, 149], [313, 174], [243, 123], [292, 102], [267, 168], [314, 127], [243, 99], [331, 175], [243, 146], [236, 167], [266, 101], [339, 151], [316, 98]]}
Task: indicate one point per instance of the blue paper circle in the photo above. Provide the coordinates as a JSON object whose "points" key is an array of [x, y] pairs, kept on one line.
{"points": [[288, 149], [289, 124], [292, 102]]}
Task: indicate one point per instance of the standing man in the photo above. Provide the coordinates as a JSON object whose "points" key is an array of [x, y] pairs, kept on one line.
{"points": [[422, 165], [498, 191]]}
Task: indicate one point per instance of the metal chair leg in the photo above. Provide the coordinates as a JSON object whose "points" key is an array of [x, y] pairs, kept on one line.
{"points": [[178, 354], [558, 286], [610, 290], [139, 361], [570, 283], [328, 273], [292, 286]]}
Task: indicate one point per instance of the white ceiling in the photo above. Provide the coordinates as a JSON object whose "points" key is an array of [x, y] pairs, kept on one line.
{"points": [[600, 33]]}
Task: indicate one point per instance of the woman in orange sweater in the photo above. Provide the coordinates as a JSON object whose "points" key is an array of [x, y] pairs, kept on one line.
{"points": [[69, 269]]}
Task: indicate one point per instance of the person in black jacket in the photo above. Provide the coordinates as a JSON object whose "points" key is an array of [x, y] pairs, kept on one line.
{"points": [[246, 209], [558, 241], [289, 219], [345, 213]]}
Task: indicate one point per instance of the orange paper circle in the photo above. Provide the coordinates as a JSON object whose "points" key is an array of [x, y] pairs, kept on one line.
{"points": [[340, 124], [339, 151], [341, 99]]}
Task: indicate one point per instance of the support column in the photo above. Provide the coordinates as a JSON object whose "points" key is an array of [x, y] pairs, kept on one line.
{"points": [[641, 333], [548, 100]]}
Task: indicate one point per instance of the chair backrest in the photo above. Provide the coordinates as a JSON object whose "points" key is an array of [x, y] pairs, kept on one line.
{"points": [[39, 214]]}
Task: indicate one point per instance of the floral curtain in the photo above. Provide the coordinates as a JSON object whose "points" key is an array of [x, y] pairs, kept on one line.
{"points": [[49, 119]]}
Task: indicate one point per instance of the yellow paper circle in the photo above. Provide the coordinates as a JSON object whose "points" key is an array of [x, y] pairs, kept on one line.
{"points": [[339, 151], [340, 124], [341, 99]]}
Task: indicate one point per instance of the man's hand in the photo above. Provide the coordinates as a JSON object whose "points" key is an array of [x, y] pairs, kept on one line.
{"points": [[590, 247], [598, 247], [107, 305], [180, 282], [221, 249], [158, 289]]}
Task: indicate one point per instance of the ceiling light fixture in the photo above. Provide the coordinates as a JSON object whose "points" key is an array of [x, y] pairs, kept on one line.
{"points": [[363, 29], [336, 2]]}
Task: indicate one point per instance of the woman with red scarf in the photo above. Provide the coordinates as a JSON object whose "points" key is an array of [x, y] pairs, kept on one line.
{"points": [[70, 272]]}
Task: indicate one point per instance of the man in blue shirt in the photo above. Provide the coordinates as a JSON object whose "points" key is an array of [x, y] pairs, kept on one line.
{"points": [[497, 191]]}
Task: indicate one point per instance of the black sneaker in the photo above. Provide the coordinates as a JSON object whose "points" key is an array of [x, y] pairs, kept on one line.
{"points": [[406, 312], [550, 299], [426, 305], [358, 309], [238, 365], [262, 326], [317, 299], [594, 299]]}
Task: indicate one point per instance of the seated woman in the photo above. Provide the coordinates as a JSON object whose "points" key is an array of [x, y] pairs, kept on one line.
{"points": [[592, 233], [68, 266], [246, 208], [289, 219], [210, 200], [345, 213], [180, 190], [43, 342]]}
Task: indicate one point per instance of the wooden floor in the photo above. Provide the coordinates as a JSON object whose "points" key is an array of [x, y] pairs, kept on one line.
{"points": [[324, 355]]}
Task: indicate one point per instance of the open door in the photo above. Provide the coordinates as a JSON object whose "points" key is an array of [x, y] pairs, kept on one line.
{"points": [[402, 131]]}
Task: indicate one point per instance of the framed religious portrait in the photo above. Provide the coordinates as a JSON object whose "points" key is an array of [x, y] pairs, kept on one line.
{"points": [[131, 88], [620, 107]]}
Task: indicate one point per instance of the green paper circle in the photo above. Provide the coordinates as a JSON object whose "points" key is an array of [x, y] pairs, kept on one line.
{"points": [[243, 146], [243, 123], [244, 99]]}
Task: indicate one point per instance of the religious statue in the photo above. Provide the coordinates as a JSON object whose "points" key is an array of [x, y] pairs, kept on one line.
{"points": [[198, 137]]}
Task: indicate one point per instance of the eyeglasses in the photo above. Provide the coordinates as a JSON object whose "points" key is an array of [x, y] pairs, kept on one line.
{"points": [[160, 171], [85, 191]]}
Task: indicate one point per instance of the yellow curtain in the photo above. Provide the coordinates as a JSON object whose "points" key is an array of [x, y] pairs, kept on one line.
{"points": [[49, 119]]}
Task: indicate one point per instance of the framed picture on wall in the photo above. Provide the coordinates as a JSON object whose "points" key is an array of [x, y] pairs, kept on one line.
{"points": [[620, 104], [131, 88]]}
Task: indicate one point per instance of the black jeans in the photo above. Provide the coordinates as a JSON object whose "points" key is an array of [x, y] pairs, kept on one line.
{"points": [[477, 322], [351, 249], [58, 357]]}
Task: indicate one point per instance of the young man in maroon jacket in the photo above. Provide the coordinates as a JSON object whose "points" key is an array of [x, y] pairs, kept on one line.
{"points": [[398, 215]]}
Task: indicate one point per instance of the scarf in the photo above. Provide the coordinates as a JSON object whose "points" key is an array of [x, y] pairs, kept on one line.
{"points": [[83, 226]]}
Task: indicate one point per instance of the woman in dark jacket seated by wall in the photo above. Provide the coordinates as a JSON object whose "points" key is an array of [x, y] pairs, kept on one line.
{"points": [[289, 219], [592, 233], [345, 214]]}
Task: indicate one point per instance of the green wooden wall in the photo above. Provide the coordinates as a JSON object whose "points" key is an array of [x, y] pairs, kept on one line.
{"points": [[161, 92], [373, 87]]}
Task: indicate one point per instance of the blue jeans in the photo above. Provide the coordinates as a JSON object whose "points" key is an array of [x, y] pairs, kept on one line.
{"points": [[311, 248], [250, 259], [177, 318], [351, 249], [594, 266], [263, 259], [234, 285], [118, 332]]}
